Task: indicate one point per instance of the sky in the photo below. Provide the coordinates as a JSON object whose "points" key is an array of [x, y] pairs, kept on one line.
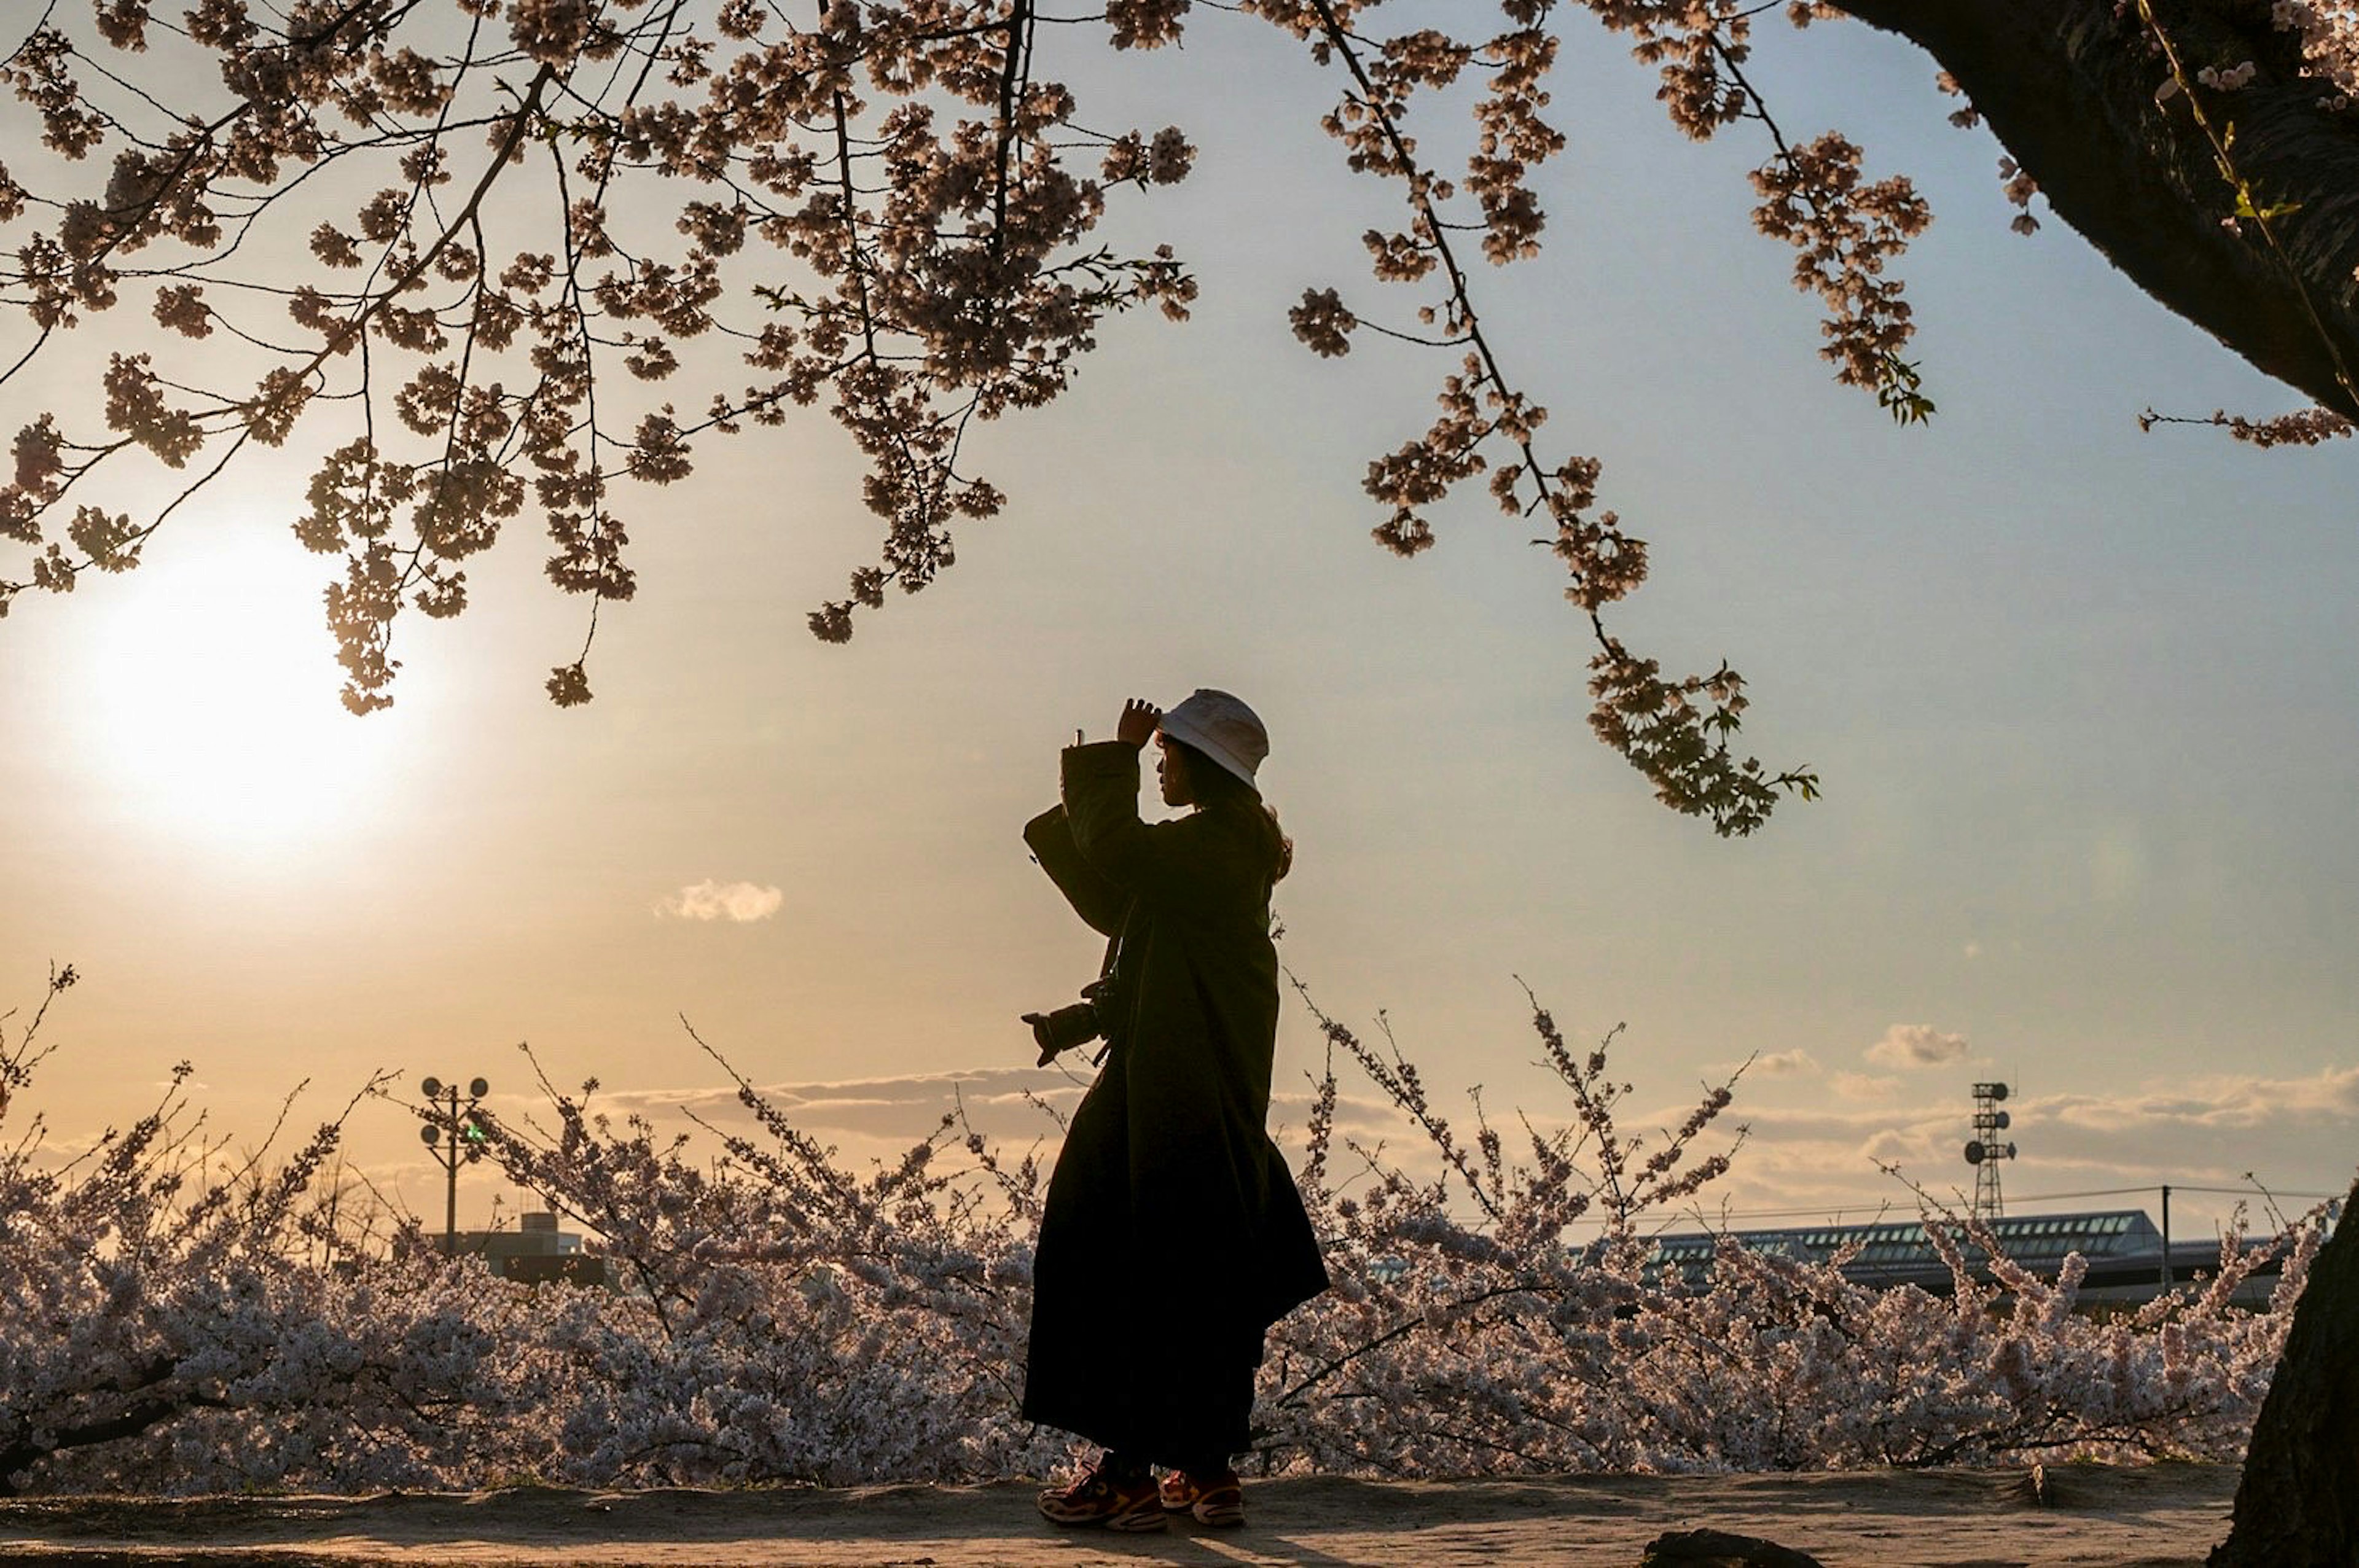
{"points": [[2076, 695]]}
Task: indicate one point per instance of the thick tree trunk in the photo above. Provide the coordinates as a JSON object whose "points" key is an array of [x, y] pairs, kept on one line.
{"points": [[2297, 1506], [2068, 87]]}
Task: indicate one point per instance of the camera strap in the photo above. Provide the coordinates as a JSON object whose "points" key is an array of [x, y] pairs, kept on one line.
{"points": [[1105, 972]]}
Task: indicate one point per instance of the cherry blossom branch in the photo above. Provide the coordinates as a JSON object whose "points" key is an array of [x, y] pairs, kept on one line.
{"points": [[1676, 733]]}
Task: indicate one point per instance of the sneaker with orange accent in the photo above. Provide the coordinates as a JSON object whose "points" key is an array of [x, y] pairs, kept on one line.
{"points": [[1216, 1498], [1101, 1498]]}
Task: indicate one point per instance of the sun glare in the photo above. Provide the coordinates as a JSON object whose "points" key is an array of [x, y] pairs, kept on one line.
{"points": [[215, 710]]}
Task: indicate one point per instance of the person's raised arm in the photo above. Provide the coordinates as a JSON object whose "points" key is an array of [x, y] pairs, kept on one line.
{"points": [[1101, 790], [1093, 898]]}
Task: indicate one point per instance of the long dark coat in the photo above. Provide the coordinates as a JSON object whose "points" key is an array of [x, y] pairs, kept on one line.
{"points": [[1173, 1236]]}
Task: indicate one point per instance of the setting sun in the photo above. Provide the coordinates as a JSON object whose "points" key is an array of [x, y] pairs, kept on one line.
{"points": [[212, 695]]}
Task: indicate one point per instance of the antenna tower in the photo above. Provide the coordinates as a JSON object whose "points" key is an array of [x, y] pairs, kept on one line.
{"points": [[1985, 1151]]}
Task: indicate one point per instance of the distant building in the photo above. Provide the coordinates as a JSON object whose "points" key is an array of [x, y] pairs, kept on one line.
{"points": [[2123, 1250], [536, 1252]]}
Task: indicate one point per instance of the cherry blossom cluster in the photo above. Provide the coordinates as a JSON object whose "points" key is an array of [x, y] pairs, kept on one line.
{"points": [[2330, 43], [2230, 79], [1466, 1335], [2020, 189], [2302, 428], [1965, 117], [475, 245], [176, 1318], [1845, 231], [485, 262]]}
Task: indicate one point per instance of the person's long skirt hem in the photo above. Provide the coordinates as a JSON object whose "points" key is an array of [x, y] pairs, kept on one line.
{"points": [[1192, 1431]]}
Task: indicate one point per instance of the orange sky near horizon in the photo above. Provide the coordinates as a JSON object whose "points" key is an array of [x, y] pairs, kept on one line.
{"points": [[2072, 690]]}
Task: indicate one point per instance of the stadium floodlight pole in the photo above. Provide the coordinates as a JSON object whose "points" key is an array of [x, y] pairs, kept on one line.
{"points": [[454, 1134]]}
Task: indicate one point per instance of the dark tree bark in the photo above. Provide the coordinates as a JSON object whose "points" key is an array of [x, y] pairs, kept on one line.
{"points": [[2298, 1505], [2068, 87]]}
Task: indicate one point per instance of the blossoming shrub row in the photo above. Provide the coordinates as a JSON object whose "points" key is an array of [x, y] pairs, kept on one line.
{"points": [[172, 1321]]}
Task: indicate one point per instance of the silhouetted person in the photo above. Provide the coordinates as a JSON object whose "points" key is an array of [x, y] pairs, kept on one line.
{"points": [[1172, 1236]]}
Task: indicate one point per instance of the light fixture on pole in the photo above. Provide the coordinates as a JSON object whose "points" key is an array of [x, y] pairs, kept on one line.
{"points": [[455, 1134]]}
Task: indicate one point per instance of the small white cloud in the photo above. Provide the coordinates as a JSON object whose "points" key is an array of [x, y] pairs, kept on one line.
{"points": [[1862, 1086], [1778, 1063], [1916, 1046], [722, 900]]}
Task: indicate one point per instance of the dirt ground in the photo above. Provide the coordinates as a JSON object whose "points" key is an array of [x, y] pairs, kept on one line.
{"points": [[2164, 1516]]}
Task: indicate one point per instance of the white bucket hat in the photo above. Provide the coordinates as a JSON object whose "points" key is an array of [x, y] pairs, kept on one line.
{"points": [[1223, 728]]}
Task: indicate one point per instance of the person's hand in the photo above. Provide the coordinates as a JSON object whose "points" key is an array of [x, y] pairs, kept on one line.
{"points": [[1040, 1022], [1139, 718]]}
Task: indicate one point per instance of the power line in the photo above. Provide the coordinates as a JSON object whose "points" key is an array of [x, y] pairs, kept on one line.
{"points": [[1832, 1214]]}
